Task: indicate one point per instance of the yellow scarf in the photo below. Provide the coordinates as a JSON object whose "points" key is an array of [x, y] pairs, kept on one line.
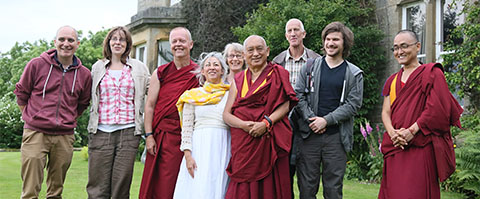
{"points": [[210, 94]]}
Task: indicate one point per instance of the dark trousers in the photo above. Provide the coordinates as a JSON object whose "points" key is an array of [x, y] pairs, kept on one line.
{"points": [[292, 156], [292, 160], [321, 155], [111, 157]]}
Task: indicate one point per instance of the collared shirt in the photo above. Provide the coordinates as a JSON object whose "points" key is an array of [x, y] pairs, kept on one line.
{"points": [[293, 65], [116, 104]]}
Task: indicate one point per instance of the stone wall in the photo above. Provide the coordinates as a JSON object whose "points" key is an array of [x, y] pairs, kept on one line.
{"points": [[145, 4]]}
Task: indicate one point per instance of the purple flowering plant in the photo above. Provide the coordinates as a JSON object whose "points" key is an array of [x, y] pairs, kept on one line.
{"points": [[369, 166], [372, 137]]}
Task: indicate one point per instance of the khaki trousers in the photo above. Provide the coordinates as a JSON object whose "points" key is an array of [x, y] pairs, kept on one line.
{"points": [[36, 149], [111, 158]]}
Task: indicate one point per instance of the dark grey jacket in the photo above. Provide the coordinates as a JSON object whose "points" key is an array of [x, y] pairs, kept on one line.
{"points": [[350, 101], [280, 58]]}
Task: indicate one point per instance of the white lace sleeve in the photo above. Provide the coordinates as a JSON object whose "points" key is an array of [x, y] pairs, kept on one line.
{"points": [[187, 126]]}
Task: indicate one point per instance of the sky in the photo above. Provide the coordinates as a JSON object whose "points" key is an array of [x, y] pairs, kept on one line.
{"points": [[31, 20]]}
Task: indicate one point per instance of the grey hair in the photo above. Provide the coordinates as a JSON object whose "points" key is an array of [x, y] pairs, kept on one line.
{"points": [[203, 58], [67, 26], [232, 46], [235, 47], [251, 36], [302, 28], [180, 28]]}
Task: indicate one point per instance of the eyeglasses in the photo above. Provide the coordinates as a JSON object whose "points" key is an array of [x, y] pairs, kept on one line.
{"points": [[403, 46], [238, 56], [115, 39]]}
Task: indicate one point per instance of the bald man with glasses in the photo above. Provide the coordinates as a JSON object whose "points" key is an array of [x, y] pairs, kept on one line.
{"points": [[418, 110]]}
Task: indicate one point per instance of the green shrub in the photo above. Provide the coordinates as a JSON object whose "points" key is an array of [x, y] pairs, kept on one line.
{"points": [[11, 124], [468, 161], [466, 178], [141, 147], [81, 132], [84, 153]]}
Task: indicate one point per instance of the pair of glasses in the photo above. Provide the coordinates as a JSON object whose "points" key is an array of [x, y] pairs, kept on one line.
{"points": [[403, 46], [115, 39], [238, 56]]}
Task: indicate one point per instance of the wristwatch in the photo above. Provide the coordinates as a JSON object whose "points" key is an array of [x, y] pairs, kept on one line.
{"points": [[148, 134]]}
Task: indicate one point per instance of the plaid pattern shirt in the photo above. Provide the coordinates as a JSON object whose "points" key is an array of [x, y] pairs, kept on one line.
{"points": [[293, 66], [116, 104]]}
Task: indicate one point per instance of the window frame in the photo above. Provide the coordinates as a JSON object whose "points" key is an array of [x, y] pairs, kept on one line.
{"points": [[160, 58], [404, 23], [173, 2], [137, 52], [439, 24]]}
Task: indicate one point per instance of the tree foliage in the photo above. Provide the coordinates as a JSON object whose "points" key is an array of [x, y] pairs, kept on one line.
{"points": [[210, 21], [463, 65], [12, 64]]}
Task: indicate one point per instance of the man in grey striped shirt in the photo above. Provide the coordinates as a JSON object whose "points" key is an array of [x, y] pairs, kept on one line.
{"points": [[293, 59]]}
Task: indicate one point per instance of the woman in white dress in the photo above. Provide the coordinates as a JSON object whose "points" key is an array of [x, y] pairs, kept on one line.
{"points": [[205, 137]]}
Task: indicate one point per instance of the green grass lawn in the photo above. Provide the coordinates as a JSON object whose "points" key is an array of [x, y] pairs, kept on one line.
{"points": [[11, 184]]}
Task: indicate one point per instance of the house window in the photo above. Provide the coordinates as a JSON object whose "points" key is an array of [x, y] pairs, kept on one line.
{"points": [[164, 54], [447, 19], [141, 53], [173, 2], [413, 18]]}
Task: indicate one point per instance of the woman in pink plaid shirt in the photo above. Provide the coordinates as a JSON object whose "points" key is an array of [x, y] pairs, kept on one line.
{"points": [[116, 117]]}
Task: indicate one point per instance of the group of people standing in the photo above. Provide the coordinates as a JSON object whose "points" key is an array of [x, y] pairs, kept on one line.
{"points": [[234, 126]]}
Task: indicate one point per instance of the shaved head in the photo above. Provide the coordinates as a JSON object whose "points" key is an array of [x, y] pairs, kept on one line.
{"points": [[410, 33], [254, 36], [67, 26], [181, 28]]}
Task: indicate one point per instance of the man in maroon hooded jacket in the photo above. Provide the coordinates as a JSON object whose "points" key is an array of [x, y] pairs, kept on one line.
{"points": [[53, 91]]}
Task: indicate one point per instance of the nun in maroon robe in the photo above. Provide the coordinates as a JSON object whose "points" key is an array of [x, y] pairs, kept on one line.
{"points": [[415, 170], [160, 172]]}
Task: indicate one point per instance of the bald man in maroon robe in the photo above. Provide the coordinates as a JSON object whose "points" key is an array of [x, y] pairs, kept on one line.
{"points": [[162, 122], [418, 110], [257, 107]]}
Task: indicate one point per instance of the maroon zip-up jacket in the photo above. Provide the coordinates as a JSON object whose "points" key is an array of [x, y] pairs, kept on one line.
{"points": [[53, 97]]}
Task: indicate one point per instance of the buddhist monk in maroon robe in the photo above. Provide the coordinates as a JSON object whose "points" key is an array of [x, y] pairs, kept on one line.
{"points": [[162, 122], [418, 111], [256, 109]]}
